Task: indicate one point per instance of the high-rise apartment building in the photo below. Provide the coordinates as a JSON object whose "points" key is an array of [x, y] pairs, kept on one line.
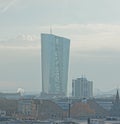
{"points": [[82, 88], [55, 61]]}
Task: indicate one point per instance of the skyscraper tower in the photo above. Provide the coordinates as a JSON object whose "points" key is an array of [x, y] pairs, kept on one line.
{"points": [[82, 88], [55, 61]]}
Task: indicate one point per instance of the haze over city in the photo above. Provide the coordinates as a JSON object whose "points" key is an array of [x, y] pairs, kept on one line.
{"points": [[92, 25]]}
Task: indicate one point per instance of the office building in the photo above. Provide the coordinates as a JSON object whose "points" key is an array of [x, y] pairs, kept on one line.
{"points": [[82, 88], [55, 61]]}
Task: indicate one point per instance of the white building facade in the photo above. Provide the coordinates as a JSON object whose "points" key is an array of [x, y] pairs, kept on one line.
{"points": [[55, 61], [82, 88]]}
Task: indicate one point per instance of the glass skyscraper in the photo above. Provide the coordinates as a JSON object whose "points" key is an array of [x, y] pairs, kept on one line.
{"points": [[55, 61]]}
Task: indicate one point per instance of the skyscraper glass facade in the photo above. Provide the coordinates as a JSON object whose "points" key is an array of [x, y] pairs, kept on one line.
{"points": [[55, 61]]}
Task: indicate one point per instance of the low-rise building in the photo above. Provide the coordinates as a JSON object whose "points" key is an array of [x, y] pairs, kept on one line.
{"points": [[39, 109]]}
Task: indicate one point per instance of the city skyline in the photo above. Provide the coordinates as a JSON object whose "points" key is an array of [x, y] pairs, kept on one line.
{"points": [[93, 27]]}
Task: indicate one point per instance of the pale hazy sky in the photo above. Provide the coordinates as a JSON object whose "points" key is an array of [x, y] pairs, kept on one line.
{"points": [[92, 25]]}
